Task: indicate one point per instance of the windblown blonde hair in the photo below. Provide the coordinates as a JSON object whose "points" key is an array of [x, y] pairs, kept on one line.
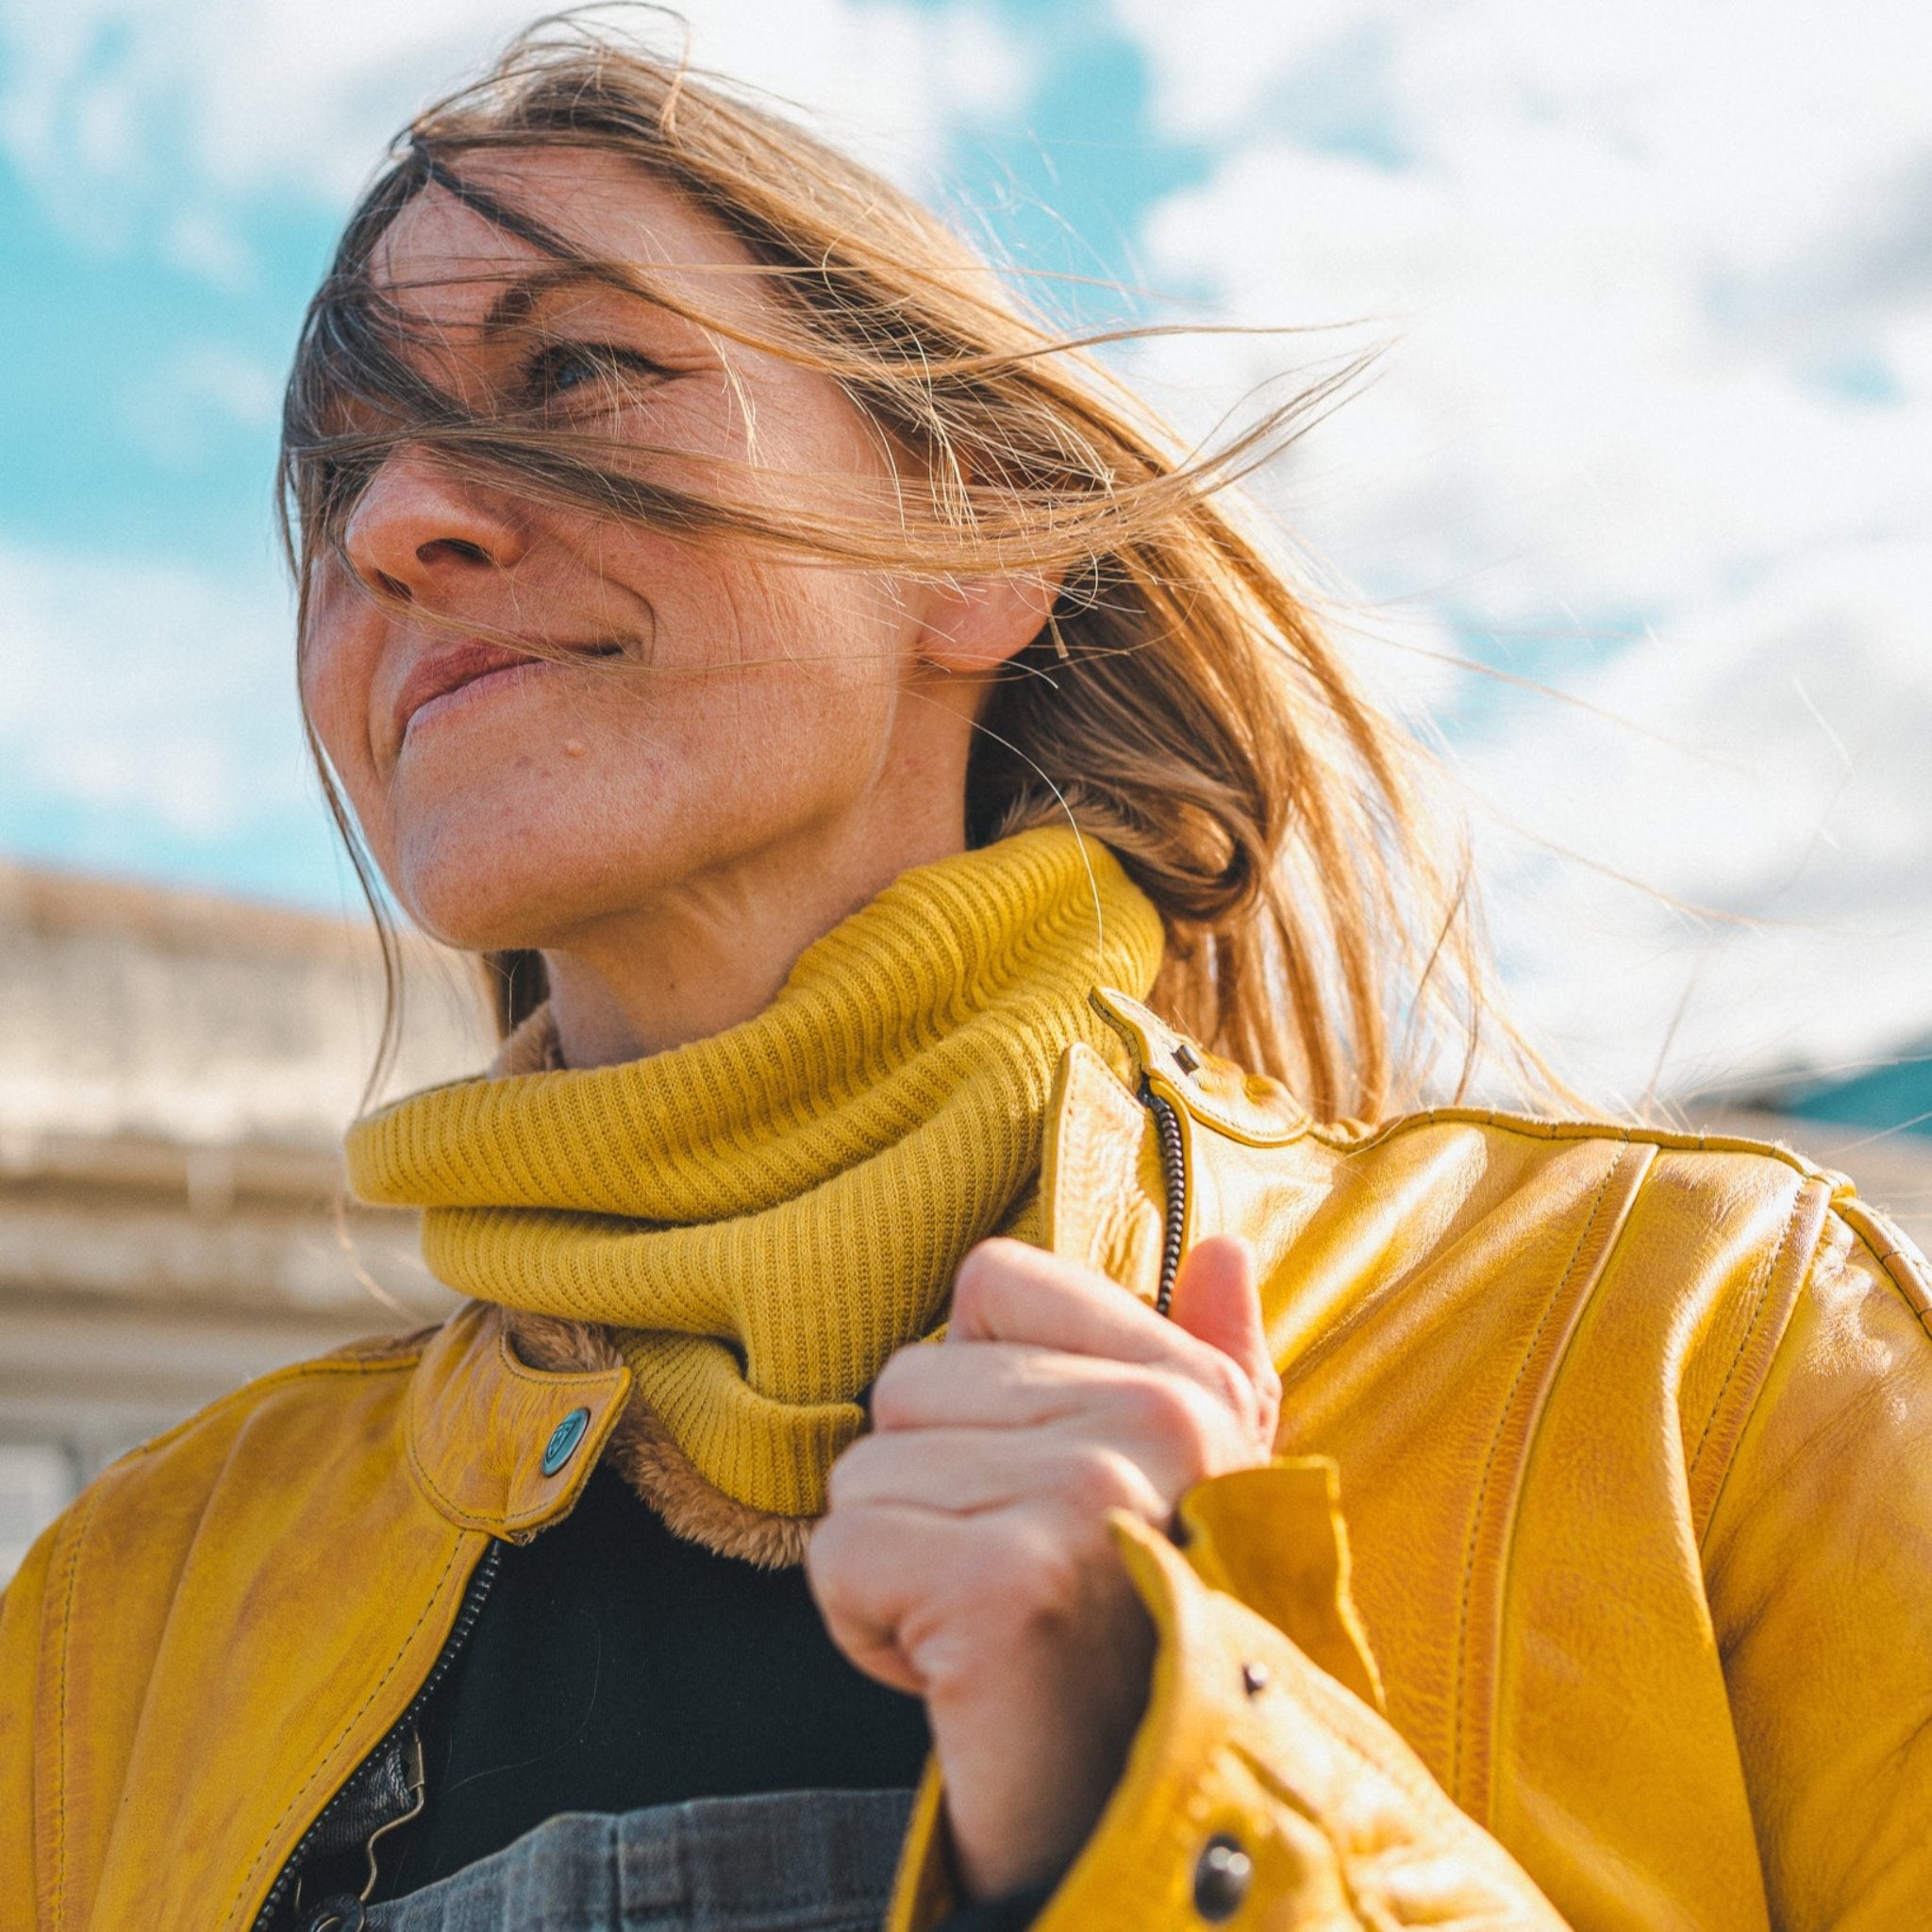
{"points": [[1182, 704]]}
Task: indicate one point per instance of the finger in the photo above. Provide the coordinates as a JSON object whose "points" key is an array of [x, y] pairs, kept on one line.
{"points": [[1216, 1301], [951, 1608], [989, 1385], [1009, 1292], [1079, 1478], [860, 1565], [1176, 1429]]}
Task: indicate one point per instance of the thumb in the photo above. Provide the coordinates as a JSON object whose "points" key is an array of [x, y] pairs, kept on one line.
{"points": [[1216, 1301]]}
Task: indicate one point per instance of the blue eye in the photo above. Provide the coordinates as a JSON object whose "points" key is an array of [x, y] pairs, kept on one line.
{"points": [[564, 367]]}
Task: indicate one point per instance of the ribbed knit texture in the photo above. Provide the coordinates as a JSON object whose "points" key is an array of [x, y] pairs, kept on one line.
{"points": [[765, 1216]]}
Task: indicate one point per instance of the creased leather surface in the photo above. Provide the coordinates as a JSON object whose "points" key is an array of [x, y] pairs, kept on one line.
{"points": [[1632, 1437]]}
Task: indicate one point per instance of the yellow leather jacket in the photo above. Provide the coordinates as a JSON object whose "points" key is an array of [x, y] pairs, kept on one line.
{"points": [[1631, 1627]]}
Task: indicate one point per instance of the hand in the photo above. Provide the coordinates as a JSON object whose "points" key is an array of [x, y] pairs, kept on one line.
{"points": [[965, 1557]]}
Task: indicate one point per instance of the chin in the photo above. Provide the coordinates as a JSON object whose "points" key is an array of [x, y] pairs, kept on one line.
{"points": [[503, 917], [533, 881]]}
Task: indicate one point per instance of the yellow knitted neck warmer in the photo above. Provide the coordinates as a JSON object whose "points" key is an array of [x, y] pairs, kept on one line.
{"points": [[765, 1216]]}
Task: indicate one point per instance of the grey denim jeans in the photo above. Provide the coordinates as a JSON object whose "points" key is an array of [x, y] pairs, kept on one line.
{"points": [[789, 1861]]}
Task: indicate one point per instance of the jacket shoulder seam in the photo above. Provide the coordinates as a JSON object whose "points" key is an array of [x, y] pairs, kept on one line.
{"points": [[251, 1392], [1780, 1280], [1760, 1288], [1468, 1762], [1896, 1258], [1544, 1127], [71, 1556]]}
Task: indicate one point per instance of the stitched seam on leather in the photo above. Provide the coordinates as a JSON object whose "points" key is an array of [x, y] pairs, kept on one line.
{"points": [[1760, 1290], [1060, 1153], [1899, 1263], [1462, 1644], [59, 1894], [347, 1730], [466, 1518], [458, 1513], [1825, 1252], [1080, 1171], [1418, 1790], [545, 1379], [1529, 1128], [254, 1391]]}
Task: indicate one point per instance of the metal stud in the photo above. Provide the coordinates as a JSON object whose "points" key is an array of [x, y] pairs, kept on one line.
{"points": [[1186, 1058], [564, 1439], [1255, 1678], [1222, 1875]]}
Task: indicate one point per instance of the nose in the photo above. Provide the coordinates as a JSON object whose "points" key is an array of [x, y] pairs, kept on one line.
{"points": [[417, 528]]}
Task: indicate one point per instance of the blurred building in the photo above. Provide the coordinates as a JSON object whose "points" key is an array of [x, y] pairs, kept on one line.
{"points": [[175, 1072]]}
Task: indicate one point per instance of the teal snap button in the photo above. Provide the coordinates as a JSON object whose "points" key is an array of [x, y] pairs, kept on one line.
{"points": [[564, 1439]]}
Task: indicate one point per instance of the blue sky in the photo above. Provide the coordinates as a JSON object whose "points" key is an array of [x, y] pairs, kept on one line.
{"points": [[1651, 430]]}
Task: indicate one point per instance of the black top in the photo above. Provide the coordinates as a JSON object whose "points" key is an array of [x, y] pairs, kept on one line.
{"points": [[614, 1666]]}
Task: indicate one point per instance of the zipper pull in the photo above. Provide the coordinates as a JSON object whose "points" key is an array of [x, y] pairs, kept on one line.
{"points": [[417, 1781]]}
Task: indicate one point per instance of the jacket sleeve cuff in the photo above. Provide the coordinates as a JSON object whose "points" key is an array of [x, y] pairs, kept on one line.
{"points": [[1272, 1534], [1261, 1787]]}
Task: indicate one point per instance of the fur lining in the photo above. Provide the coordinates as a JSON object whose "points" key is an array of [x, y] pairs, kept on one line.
{"points": [[531, 1049], [642, 1452]]}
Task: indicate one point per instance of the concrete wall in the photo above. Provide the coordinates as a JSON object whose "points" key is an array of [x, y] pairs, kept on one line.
{"points": [[175, 1073]]}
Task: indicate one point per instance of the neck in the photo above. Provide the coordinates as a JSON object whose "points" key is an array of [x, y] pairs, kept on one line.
{"points": [[714, 950]]}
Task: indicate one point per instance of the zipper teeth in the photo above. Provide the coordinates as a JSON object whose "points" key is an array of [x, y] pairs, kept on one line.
{"points": [[1174, 1168], [467, 1614]]}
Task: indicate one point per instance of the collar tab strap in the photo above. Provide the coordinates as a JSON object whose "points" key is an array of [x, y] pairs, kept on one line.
{"points": [[1250, 1108], [482, 1428]]}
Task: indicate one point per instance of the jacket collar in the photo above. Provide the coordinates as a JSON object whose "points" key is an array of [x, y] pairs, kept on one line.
{"points": [[496, 1445]]}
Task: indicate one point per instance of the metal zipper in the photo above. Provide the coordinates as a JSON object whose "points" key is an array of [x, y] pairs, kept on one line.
{"points": [[1173, 1167], [467, 1612], [418, 1781]]}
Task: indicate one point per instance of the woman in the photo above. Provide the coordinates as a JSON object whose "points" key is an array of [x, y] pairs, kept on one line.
{"points": [[892, 1345]]}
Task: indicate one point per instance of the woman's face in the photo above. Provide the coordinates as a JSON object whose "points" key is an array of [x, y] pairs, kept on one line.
{"points": [[717, 708]]}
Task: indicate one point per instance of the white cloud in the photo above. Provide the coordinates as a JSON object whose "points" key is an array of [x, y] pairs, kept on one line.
{"points": [[1658, 285], [177, 410], [1778, 786], [241, 99], [151, 693]]}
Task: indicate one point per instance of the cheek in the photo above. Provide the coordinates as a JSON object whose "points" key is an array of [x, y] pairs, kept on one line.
{"points": [[336, 666]]}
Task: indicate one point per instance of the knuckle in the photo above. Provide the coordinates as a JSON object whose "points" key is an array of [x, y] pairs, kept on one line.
{"points": [[1268, 1409], [896, 1391], [827, 1558], [1157, 1406], [1102, 1478], [975, 1285], [847, 1478], [1180, 1415], [1045, 1576], [1233, 1387]]}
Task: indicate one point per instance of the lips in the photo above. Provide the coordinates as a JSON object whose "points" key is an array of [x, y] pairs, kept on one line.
{"points": [[454, 668]]}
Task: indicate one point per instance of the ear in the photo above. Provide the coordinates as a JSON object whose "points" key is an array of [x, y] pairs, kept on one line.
{"points": [[977, 624]]}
